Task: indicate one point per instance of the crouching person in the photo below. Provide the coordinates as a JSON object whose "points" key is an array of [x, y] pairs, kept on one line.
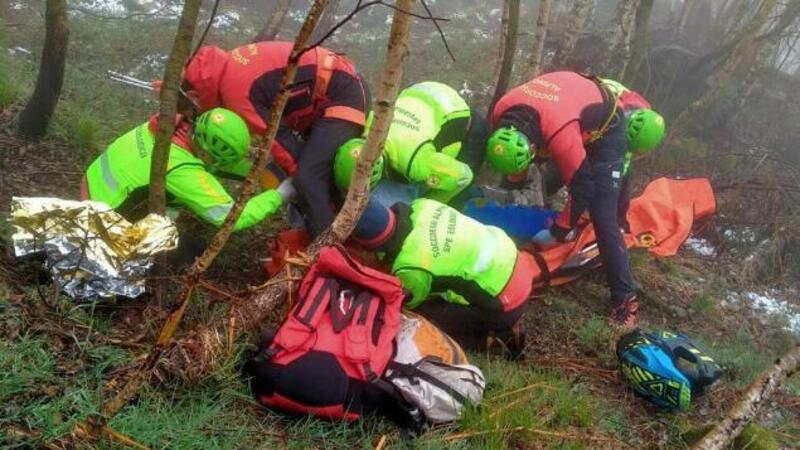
{"points": [[466, 277], [219, 140]]}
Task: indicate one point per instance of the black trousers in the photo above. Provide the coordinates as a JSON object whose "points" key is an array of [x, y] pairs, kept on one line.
{"points": [[473, 152], [469, 325], [608, 206]]}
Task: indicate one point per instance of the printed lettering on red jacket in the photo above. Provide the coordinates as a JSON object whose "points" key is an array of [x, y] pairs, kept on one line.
{"points": [[569, 107]]}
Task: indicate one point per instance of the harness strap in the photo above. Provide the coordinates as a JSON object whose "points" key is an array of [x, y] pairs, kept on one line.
{"points": [[346, 113], [325, 62], [546, 275], [613, 96]]}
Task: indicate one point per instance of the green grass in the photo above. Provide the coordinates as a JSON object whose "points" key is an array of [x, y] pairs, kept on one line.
{"points": [[521, 396], [594, 334], [745, 359], [9, 92], [47, 383], [639, 257], [705, 304]]}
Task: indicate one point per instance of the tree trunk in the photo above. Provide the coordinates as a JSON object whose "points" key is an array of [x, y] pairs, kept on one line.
{"points": [[743, 50], [35, 118], [737, 17], [746, 409], [501, 43], [683, 17], [539, 38], [168, 104], [391, 78], [273, 24], [578, 19], [619, 42], [640, 42], [510, 37], [720, 19], [763, 56], [195, 354], [327, 21]]}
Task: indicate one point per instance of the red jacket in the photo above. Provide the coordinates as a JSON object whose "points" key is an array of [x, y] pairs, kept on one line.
{"points": [[246, 80], [558, 111]]}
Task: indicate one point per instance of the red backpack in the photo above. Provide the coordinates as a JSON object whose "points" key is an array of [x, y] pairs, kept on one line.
{"points": [[328, 356]]}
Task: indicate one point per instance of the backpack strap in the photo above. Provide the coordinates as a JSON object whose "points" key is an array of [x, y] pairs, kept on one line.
{"points": [[358, 335], [342, 313], [306, 314]]}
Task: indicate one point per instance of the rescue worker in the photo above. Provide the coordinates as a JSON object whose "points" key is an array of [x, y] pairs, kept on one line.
{"points": [[120, 176], [575, 120], [484, 281], [327, 106], [645, 129], [435, 142]]}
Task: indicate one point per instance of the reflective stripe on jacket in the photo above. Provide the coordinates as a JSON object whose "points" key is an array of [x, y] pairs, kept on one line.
{"points": [[124, 168]]}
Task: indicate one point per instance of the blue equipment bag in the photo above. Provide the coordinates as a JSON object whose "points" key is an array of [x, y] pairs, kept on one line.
{"points": [[521, 222]]}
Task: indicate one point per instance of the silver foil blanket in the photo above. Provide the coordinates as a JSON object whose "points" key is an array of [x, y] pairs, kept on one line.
{"points": [[89, 249]]}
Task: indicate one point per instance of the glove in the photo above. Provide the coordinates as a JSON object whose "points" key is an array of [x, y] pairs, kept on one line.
{"points": [[287, 190], [544, 239]]}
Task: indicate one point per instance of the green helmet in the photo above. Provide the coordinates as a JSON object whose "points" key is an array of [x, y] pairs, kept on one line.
{"points": [[508, 151], [223, 135], [345, 164], [645, 130]]}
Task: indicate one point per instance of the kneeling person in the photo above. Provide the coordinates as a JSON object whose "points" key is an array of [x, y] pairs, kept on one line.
{"points": [[120, 176], [435, 142], [484, 280]]}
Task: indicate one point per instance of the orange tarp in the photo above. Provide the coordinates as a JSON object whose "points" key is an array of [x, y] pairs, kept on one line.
{"points": [[660, 219]]}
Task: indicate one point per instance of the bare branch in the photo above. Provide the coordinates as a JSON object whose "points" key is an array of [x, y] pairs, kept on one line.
{"points": [[156, 13], [360, 6], [208, 27], [439, 29], [745, 410]]}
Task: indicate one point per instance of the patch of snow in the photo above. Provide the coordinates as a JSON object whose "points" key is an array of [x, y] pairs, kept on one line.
{"points": [[227, 19], [16, 6], [482, 34], [700, 246], [18, 49], [119, 8], [105, 6], [745, 235], [495, 12], [149, 66], [465, 91], [767, 306]]}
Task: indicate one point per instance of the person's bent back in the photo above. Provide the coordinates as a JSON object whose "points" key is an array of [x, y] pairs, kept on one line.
{"points": [[120, 176]]}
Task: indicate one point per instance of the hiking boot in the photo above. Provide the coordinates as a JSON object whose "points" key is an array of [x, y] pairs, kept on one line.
{"points": [[624, 310], [509, 343]]}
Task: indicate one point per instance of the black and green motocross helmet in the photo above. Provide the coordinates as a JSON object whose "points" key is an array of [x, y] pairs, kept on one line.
{"points": [[667, 368]]}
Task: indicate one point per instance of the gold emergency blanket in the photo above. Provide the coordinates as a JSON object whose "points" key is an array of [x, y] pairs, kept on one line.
{"points": [[89, 249]]}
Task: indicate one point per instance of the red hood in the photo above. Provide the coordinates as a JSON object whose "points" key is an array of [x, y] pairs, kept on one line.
{"points": [[632, 100], [204, 72], [183, 131]]}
